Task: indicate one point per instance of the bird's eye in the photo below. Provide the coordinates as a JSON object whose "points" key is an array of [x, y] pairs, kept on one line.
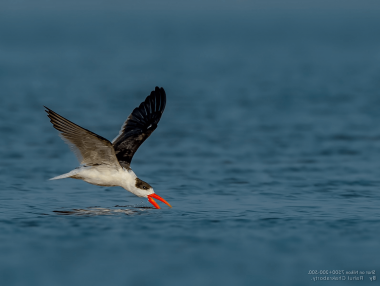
{"points": [[144, 188]]}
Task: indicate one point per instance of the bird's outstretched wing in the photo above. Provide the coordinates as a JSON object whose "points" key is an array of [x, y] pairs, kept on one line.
{"points": [[90, 148], [138, 126]]}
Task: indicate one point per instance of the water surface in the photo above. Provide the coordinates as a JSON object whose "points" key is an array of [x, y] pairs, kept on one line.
{"points": [[268, 150]]}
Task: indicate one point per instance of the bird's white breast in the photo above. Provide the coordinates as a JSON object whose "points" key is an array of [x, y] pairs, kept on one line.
{"points": [[106, 176]]}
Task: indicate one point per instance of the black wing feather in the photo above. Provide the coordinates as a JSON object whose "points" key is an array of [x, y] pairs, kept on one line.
{"points": [[139, 125]]}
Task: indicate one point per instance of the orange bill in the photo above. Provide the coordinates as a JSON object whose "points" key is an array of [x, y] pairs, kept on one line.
{"points": [[153, 202]]}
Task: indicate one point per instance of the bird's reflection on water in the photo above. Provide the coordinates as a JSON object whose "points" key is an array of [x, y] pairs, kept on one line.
{"points": [[94, 211]]}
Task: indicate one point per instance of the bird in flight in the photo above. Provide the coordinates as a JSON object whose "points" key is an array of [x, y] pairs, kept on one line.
{"points": [[106, 163]]}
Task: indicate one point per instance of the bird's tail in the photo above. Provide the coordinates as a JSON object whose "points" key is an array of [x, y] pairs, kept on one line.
{"points": [[67, 175]]}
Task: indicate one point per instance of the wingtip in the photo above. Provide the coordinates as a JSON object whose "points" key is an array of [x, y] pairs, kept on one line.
{"points": [[47, 109], [159, 90], [162, 95]]}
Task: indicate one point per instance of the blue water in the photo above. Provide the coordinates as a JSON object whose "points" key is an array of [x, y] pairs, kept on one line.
{"points": [[268, 150]]}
